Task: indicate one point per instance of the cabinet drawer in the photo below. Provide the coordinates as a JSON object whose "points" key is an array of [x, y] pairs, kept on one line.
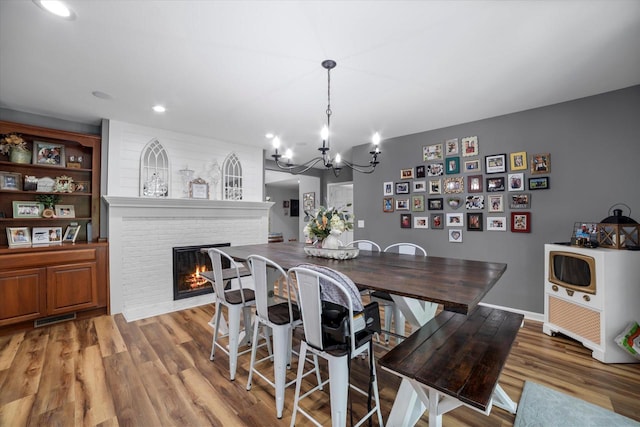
{"points": [[71, 287], [22, 294], [39, 259]]}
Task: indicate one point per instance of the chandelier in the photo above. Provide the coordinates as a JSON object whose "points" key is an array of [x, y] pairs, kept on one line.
{"points": [[336, 163]]}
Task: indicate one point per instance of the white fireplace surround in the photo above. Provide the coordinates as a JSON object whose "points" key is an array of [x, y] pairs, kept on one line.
{"points": [[143, 231]]}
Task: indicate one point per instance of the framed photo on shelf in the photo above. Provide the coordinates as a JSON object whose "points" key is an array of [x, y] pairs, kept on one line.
{"points": [[495, 202], [474, 221], [474, 183], [65, 211], [10, 181], [45, 153], [541, 183], [420, 222], [495, 163], [455, 235], [451, 147], [521, 222], [387, 204], [199, 189], [453, 165], [55, 234], [40, 235], [18, 236], [27, 209], [71, 234], [472, 166], [387, 188], [405, 220], [541, 163], [419, 186], [406, 173], [63, 184], [402, 188], [455, 220], [496, 223], [30, 183], [82, 187], [518, 161], [437, 221], [435, 186], [520, 201], [495, 184], [516, 181], [432, 152], [417, 203], [470, 146]]}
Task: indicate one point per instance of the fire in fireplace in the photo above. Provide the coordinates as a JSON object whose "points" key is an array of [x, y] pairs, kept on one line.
{"points": [[188, 263]]}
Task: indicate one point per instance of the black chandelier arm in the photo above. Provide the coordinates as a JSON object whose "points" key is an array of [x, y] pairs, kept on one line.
{"points": [[298, 169]]}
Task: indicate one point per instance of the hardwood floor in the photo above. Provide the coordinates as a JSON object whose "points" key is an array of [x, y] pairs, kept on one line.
{"points": [[156, 372]]}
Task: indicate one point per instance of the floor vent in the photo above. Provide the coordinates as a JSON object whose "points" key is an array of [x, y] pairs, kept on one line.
{"points": [[54, 319]]}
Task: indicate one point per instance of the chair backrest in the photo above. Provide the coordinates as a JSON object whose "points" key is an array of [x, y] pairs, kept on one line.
{"points": [[307, 290], [216, 256], [366, 245], [258, 265], [406, 248]]}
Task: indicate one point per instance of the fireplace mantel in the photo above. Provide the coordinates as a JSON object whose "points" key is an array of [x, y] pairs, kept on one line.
{"points": [[143, 231]]}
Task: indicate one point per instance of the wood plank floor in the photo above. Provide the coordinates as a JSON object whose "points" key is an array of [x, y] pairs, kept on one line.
{"points": [[156, 372]]}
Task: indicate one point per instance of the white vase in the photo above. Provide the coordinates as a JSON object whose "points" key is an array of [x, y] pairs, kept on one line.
{"points": [[332, 241]]}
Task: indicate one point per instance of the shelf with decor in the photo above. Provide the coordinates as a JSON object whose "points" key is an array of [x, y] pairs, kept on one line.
{"points": [[52, 261]]}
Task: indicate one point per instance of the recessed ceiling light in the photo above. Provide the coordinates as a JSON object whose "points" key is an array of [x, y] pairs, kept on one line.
{"points": [[159, 109], [269, 135], [101, 95], [56, 7]]}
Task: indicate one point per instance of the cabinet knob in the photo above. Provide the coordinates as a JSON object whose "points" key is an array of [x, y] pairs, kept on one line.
{"points": [[554, 288], [569, 292], [586, 298]]}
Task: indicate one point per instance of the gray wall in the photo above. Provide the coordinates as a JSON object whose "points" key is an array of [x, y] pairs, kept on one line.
{"points": [[595, 156], [278, 221]]}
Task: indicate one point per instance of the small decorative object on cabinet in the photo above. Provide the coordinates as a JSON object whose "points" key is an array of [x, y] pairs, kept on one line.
{"points": [[618, 231], [40, 284]]}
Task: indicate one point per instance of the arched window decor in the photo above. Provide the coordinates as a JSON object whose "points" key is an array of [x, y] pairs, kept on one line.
{"points": [[154, 170], [232, 178]]}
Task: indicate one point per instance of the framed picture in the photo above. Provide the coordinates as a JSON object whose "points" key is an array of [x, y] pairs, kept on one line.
{"points": [[421, 171], [455, 220], [432, 152], [30, 183], [475, 202], [518, 161], [521, 222], [45, 184], [402, 188], [405, 220], [10, 181], [40, 235], [455, 236], [18, 236], [454, 202], [45, 153], [496, 223], [520, 201], [406, 173], [516, 181], [199, 189], [495, 184], [55, 234], [435, 204], [495, 163], [419, 186], [472, 166], [495, 202], [540, 183], [435, 169], [453, 185], [294, 207], [402, 204], [453, 165], [417, 203], [309, 202], [387, 204], [470, 146], [387, 188], [65, 211], [420, 222], [435, 186], [541, 163], [474, 221], [474, 183], [71, 234], [285, 204], [451, 147], [63, 184], [82, 187], [27, 209], [437, 221]]}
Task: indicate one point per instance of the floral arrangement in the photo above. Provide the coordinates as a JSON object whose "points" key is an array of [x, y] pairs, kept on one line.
{"points": [[12, 141], [328, 221]]}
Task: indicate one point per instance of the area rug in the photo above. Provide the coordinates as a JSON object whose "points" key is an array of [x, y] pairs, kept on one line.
{"points": [[543, 407]]}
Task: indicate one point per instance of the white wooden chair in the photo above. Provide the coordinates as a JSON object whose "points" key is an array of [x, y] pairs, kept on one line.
{"points": [[281, 318], [308, 293], [391, 311], [366, 245]]}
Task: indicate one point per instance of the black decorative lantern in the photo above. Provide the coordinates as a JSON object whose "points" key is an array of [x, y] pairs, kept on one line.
{"points": [[618, 231]]}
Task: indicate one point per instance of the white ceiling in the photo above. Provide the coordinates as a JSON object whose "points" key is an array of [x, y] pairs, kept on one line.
{"points": [[234, 70]]}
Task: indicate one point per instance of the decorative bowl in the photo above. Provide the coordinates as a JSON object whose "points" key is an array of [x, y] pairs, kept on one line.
{"points": [[340, 253]]}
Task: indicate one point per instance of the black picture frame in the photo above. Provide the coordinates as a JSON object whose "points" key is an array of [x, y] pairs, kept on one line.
{"points": [[475, 221], [495, 184], [539, 183], [294, 209], [402, 187], [421, 171], [495, 163], [436, 204]]}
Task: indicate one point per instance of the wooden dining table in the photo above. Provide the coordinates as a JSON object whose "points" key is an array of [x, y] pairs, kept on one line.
{"points": [[417, 285]]}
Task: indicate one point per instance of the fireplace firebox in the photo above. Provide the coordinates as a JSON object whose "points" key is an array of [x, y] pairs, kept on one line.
{"points": [[188, 263]]}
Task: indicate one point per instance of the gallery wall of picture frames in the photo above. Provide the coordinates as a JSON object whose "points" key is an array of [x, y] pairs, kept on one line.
{"points": [[494, 190]]}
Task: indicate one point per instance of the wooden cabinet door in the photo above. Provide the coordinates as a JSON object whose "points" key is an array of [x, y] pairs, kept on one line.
{"points": [[22, 295], [71, 287]]}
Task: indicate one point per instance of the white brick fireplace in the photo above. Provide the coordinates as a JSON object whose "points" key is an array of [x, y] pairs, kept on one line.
{"points": [[143, 231]]}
